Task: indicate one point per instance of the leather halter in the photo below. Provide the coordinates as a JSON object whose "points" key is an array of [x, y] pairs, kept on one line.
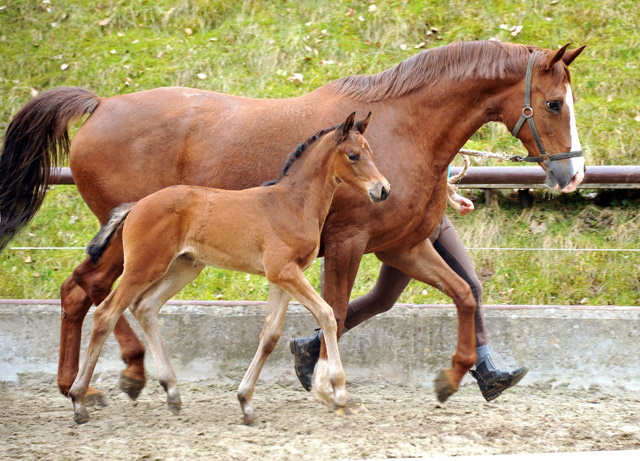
{"points": [[527, 115]]}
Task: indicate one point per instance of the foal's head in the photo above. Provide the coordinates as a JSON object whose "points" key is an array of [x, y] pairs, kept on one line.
{"points": [[353, 162]]}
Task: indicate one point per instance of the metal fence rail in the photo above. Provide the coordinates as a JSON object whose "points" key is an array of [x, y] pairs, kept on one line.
{"points": [[505, 177]]}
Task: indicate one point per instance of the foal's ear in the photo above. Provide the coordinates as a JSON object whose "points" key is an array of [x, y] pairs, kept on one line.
{"points": [[555, 56], [570, 55], [362, 125], [342, 132]]}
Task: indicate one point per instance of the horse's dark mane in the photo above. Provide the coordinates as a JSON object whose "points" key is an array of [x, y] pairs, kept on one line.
{"points": [[457, 61], [296, 154]]}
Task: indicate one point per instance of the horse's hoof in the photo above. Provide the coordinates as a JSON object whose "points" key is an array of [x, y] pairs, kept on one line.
{"points": [[81, 416], [174, 407], [95, 398], [131, 386], [249, 418], [444, 387], [352, 408]]}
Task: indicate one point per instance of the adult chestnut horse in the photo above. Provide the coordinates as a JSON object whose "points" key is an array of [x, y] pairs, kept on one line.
{"points": [[426, 108]]}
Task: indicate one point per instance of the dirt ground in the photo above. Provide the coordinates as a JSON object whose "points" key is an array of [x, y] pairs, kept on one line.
{"points": [[397, 421]]}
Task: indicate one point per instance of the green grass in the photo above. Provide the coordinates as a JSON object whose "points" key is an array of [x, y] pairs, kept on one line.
{"points": [[251, 48]]}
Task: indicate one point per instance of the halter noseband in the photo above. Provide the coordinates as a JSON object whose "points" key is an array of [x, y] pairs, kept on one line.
{"points": [[527, 115]]}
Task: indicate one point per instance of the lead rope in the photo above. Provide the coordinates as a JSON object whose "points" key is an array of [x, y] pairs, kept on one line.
{"points": [[466, 153]]}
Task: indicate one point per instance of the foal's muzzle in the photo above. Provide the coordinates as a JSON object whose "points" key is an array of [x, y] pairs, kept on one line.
{"points": [[379, 191]]}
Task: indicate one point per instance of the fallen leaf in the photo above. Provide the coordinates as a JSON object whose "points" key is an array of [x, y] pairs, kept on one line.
{"points": [[188, 31], [351, 12], [295, 78], [160, 54], [202, 75], [64, 66], [26, 259], [104, 22]]}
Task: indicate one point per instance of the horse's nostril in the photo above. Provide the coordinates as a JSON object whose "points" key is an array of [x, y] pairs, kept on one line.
{"points": [[384, 193]]}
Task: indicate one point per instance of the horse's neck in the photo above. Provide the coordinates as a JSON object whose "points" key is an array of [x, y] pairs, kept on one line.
{"points": [[451, 113]]}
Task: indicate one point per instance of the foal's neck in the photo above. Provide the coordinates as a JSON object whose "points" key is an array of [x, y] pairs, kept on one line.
{"points": [[311, 181]]}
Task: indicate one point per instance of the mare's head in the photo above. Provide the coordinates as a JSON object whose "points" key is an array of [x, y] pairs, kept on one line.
{"points": [[353, 162], [540, 113]]}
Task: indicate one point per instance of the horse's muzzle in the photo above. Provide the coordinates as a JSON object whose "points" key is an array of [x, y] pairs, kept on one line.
{"points": [[379, 192]]}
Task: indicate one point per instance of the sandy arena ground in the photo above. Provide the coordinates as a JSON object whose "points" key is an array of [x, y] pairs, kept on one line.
{"points": [[397, 421]]}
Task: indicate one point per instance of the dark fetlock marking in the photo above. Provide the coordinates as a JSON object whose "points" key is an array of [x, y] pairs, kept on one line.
{"points": [[132, 387], [443, 387]]}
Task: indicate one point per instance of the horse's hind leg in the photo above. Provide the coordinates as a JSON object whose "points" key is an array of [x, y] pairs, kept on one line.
{"points": [[96, 280], [271, 330], [182, 271], [423, 263]]}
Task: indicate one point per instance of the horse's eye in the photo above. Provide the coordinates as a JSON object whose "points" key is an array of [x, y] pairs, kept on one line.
{"points": [[354, 157], [553, 106]]}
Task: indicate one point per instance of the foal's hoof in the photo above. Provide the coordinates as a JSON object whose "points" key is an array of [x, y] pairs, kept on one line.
{"points": [[80, 414], [174, 407], [353, 407], [131, 386], [444, 385], [95, 398]]}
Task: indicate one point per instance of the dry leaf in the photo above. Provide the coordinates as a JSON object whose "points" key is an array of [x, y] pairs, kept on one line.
{"points": [[351, 12], [26, 259], [188, 31], [127, 81], [104, 22], [372, 8], [64, 66], [202, 75], [295, 78], [160, 54]]}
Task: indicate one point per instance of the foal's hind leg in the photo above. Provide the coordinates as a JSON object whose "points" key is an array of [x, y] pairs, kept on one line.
{"points": [[423, 263], [271, 330], [182, 271], [91, 283], [104, 319]]}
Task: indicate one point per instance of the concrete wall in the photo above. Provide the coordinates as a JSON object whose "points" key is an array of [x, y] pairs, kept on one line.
{"points": [[408, 344]]}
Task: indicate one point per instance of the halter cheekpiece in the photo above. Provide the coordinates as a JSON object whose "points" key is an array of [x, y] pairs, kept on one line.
{"points": [[527, 115]]}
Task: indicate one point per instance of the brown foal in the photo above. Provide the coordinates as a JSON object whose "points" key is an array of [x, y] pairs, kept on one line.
{"points": [[273, 230]]}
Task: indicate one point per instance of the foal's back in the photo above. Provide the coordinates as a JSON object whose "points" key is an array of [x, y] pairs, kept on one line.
{"points": [[223, 228]]}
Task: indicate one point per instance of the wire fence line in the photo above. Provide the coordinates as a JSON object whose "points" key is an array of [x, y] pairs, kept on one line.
{"points": [[618, 250]]}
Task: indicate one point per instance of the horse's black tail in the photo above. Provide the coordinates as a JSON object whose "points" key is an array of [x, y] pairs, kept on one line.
{"points": [[100, 242], [36, 140]]}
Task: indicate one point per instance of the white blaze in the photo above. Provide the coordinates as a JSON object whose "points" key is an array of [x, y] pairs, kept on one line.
{"points": [[577, 162]]}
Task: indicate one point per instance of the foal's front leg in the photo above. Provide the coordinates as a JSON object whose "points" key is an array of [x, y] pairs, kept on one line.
{"points": [[292, 279], [271, 330]]}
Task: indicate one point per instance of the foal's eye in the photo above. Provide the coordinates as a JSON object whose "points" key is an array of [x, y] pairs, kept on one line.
{"points": [[553, 106], [354, 157]]}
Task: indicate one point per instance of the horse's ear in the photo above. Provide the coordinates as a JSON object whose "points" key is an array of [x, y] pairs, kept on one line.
{"points": [[570, 55], [361, 126], [342, 132], [555, 57]]}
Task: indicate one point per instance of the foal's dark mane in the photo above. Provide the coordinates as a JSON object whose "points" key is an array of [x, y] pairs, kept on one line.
{"points": [[296, 154], [457, 61]]}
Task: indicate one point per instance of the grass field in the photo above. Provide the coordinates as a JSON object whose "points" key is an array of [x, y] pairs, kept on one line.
{"points": [[287, 48]]}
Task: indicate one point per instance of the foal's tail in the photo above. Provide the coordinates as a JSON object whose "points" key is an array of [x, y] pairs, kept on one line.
{"points": [[36, 140], [100, 242]]}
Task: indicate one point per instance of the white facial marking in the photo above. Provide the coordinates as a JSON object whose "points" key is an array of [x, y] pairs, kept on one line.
{"points": [[577, 162]]}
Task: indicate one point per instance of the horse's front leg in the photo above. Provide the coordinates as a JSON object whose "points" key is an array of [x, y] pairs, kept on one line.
{"points": [[423, 263], [96, 280], [271, 330]]}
